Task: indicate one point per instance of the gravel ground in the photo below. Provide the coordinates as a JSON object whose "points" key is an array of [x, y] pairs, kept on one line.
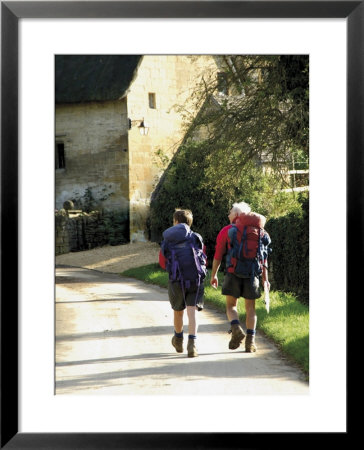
{"points": [[112, 259]]}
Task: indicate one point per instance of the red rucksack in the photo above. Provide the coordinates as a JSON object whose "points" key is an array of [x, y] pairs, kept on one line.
{"points": [[248, 246]]}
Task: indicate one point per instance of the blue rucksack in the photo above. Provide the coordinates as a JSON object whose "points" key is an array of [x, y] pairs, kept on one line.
{"points": [[185, 258]]}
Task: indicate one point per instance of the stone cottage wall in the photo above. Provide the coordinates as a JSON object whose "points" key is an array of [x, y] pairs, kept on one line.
{"points": [[95, 138], [172, 79]]}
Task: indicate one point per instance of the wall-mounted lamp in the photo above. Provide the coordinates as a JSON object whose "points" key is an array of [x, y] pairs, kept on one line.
{"points": [[143, 126]]}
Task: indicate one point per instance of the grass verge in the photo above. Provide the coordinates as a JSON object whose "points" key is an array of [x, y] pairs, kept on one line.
{"points": [[287, 323]]}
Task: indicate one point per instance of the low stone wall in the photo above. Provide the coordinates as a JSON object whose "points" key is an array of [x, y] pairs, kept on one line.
{"points": [[62, 236], [82, 231]]}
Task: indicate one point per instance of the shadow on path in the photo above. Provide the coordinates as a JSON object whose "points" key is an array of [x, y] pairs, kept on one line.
{"points": [[234, 367], [143, 331]]}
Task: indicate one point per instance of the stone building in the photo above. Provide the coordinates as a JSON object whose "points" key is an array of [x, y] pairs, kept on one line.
{"points": [[113, 116]]}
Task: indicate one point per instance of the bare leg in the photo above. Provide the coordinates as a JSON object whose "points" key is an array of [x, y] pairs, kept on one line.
{"points": [[251, 318], [232, 308], [177, 342], [192, 331], [178, 321], [192, 320]]}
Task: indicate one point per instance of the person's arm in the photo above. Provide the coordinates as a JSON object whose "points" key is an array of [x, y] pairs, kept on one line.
{"points": [[215, 268], [220, 250]]}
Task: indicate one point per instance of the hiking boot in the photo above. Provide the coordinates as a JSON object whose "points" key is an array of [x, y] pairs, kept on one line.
{"points": [[250, 346], [237, 337], [191, 348], [177, 343]]}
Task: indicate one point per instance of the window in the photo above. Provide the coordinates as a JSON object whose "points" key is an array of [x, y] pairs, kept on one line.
{"points": [[152, 103], [222, 83], [60, 158]]}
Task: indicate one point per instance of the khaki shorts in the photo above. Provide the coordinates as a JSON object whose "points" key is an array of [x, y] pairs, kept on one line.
{"points": [[179, 302], [241, 287]]}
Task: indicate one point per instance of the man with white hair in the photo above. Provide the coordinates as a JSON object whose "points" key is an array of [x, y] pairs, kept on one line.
{"points": [[237, 284]]}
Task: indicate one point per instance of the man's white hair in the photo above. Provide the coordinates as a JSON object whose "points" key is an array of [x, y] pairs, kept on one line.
{"points": [[241, 207]]}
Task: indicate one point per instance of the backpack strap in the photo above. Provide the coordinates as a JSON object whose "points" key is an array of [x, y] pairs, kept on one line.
{"points": [[198, 264], [174, 265], [260, 247], [198, 239], [243, 242], [197, 261], [231, 253]]}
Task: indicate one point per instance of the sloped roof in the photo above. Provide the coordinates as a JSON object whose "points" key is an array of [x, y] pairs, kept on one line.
{"points": [[89, 78]]}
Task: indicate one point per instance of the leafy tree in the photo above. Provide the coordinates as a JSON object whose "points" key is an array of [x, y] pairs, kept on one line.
{"points": [[259, 114]]}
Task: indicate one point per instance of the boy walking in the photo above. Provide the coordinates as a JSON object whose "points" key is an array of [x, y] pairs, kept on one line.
{"points": [[182, 255]]}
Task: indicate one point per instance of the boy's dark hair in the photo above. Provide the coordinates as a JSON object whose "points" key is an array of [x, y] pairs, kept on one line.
{"points": [[183, 216]]}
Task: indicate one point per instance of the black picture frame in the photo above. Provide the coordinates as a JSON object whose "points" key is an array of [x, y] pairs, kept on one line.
{"points": [[11, 12]]}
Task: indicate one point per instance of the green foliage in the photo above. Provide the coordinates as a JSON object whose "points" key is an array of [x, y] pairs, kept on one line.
{"points": [[92, 198], [114, 225], [287, 324], [151, 273], [290, 256]]}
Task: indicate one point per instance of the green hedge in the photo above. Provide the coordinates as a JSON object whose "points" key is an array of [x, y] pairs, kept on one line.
{"points": [[290, 256]]}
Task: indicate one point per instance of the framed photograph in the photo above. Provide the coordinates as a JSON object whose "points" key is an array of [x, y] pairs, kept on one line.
{"points": [[27, 265]]}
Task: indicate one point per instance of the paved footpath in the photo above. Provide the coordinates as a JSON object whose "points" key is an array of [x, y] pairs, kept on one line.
{"points": [[113, 336]]}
